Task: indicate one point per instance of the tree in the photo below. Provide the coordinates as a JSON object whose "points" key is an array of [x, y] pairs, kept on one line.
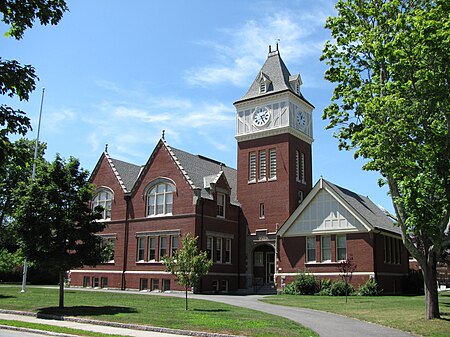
{"points": [[54, 222], [17, 169], [188, 264], [346, 269], [17, 80], [391, 105]]}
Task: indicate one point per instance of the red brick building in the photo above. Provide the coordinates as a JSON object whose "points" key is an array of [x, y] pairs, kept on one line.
{"points": [[260, 224]]}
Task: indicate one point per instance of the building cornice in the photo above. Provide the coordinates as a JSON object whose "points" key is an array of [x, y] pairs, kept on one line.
{"points": [[274, 132]]}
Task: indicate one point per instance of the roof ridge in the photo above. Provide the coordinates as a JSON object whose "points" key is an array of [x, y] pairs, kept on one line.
{"points": [[115, 171], [178, 163]]}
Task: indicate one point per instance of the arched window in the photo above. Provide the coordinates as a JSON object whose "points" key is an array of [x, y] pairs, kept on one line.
{"points": [[104, 199], [160, 199]]}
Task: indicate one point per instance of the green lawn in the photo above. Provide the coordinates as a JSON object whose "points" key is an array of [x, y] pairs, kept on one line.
{"points": [[402, 312], [161, 311]]}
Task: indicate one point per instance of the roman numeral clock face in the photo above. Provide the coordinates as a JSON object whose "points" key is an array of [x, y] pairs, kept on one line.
{"points": [[261, 116]]}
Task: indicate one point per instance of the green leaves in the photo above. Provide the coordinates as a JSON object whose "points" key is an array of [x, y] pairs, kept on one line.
{"points": [[391, 104]]}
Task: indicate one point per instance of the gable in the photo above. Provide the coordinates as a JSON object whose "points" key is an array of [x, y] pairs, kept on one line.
{"points": [[324, 213]]}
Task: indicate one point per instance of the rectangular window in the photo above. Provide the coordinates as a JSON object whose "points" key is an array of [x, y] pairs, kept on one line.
{"points": [[227, 250], [311, 249], [154, 284], [173, 245], [95, 283], [143, 284], [107, 245], [272, 164], [297, 166], [162, 247], [224, 285], [326, 248], [221, 204], [104, 282], [252, 166], [392, 248], [152, 248], [262, 213], [341, 247], [141, 249], [209, 247], [302, 167], [259, 259], [219, 250], [262, 165], [86, 281], [215, 285], [165, 284]]}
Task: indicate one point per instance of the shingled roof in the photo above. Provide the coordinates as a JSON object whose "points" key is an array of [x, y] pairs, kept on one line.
{"points": [[276, 71], [194, 167], [373, 214]]}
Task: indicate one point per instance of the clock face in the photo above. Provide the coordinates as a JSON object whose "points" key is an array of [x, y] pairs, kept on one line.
{"points": [[261, 116], [301, 119]]}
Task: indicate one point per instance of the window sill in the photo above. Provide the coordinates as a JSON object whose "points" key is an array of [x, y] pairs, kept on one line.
{"points": [[321, 262], [148, 262], [252, 181], [159, 215], [273, 179], [262, 180]]}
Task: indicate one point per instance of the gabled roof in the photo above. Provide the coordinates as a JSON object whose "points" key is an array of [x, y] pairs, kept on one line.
{"points": [[361, 207], [194, 168], [274, 69]]}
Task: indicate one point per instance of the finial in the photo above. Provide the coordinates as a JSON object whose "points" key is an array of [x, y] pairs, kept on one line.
{"points": [[278, 40], [221, 166], [163, 134], [106, 148], [270, 48]]}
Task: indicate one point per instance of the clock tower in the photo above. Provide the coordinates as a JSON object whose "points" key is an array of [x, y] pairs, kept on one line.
{"points": [[274, 135]]}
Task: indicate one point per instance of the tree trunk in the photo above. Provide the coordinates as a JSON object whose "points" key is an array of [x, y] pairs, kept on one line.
{"points": [[186, 300], [61, 289], [431, 292]]}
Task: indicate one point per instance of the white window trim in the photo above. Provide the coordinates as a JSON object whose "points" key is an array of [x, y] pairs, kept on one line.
{"points": [[223, 203]]}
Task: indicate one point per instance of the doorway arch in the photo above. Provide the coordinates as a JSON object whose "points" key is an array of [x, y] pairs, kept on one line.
{"points": [[263, 264]]}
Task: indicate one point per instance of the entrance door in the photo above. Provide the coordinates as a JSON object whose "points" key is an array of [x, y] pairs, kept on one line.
{"points": [[263, 265]]}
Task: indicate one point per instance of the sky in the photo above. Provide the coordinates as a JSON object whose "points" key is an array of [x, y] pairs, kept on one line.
{"points": [[119, 72]]}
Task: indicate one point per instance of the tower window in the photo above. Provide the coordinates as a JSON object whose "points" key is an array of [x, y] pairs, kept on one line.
{"points": [[262, 165], [302, 163], [297, 166], [252, 167], [262, 87], [262, 213], [272, 164]]}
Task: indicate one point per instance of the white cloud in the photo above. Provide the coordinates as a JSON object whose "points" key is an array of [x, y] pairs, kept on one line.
{"points": [[241, 56]]}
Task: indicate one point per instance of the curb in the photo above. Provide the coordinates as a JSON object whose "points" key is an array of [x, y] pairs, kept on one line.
{"points": [[112, 324], [41, 332]]}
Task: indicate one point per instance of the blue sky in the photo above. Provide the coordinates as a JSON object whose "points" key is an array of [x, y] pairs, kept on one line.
{"points": [[119, 72]]}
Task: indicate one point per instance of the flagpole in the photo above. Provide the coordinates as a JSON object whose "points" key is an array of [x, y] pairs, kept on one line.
{"points": [[33, 173]]}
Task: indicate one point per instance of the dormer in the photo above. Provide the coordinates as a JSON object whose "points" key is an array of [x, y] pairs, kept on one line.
{"points": [[265, 84], [295, 81]]}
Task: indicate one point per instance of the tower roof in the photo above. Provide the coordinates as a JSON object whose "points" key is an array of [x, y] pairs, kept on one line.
{"points": [[278, 77]]}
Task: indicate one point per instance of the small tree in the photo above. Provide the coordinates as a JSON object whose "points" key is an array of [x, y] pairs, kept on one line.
{"points": [[188, 264], [346, 269], [53, 220]]}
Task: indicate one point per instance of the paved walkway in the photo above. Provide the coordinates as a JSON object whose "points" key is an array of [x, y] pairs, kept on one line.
{"points": [[325, 324]]}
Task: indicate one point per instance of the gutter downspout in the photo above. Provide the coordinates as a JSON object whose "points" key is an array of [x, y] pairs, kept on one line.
{"points": [[201, 233], [239, 248], [127, 198]]}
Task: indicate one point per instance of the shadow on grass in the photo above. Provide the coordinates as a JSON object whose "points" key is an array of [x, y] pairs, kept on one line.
{"points": [[6, 296], [84, 311], [210, 310]]}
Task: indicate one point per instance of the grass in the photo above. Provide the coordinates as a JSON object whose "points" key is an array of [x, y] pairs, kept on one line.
{"points": [[160, 311], [406, 313], [52, 328]]}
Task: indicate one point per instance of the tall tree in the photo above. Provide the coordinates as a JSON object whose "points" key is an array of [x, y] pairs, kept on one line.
{"points": [[188, 264], [54, 222], [17, 169], [391, 105], [18, 80]]}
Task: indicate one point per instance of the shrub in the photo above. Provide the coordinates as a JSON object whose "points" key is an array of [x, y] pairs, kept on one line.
{"points": [[338, 288], [325, 287], [370, 288], [304, 284]]}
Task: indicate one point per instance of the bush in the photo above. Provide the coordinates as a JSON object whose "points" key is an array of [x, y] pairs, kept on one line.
{"points": [[304, 284], [325, 287], [338, 288], [370, 288]]}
